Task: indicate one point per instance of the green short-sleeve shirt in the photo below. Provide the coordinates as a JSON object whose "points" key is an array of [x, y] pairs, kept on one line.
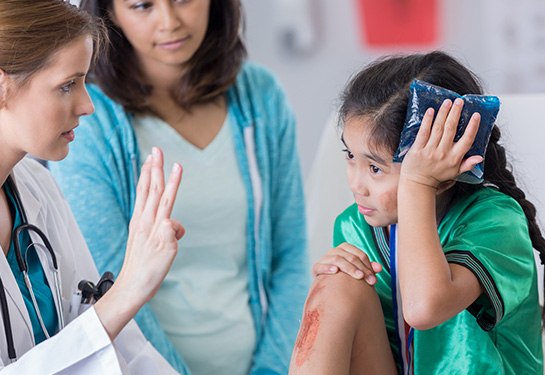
{"points": [[500, 333]]}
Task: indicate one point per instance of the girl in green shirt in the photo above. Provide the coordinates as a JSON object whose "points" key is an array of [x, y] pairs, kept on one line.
{"points": [[428, 275]]}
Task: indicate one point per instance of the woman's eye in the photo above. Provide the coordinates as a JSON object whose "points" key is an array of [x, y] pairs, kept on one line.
{"points": [[67, 88], [374, 169], [348, 155], [141, 6]]}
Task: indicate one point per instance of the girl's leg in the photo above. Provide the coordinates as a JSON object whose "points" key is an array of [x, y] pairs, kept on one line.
{"points": [[342, 331]]}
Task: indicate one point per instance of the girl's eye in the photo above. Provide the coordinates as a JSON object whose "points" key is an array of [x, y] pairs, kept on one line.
{"points": [[67, 88], [348, 154], [374, 169]]}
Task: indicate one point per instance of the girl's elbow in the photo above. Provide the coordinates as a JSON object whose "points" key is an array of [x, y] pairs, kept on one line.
{"points": [[421, 316]]}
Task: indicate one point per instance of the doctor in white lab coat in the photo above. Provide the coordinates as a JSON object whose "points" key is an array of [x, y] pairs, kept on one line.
{"points": [[45, 52], [83, 347]]}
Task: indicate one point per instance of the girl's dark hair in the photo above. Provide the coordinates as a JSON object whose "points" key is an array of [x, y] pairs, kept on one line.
{"points": [[210, 71], [381, 93]]}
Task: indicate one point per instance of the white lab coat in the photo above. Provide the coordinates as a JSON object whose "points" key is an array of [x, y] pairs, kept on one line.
{"points": [[83, 346]]}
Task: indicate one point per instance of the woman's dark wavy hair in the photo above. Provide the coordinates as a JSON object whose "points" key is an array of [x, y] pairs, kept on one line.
{"points": [[210, 72], [381, 93]]}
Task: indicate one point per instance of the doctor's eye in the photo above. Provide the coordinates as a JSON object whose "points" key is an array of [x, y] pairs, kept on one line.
{"points": [[348, 155], [67, 88]]}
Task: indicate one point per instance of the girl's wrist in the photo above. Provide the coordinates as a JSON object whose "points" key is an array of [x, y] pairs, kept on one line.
{"points": [[428, 183]]}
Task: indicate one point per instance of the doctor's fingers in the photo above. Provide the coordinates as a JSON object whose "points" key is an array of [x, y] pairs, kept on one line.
{"points": [[170, 230], [155, 191], [151, 257], [169, 195], [142, 190], [179, 229]]}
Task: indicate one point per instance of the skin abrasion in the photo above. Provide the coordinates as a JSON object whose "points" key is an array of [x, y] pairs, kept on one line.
{"points": [[309, 326], [307, 336]]}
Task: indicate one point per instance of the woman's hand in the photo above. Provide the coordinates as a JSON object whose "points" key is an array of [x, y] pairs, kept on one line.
{"points": [[350, 260], [434, 157], [151, 247]]}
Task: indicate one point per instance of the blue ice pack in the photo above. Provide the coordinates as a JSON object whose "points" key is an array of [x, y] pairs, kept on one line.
{"points": [[424, 95]]}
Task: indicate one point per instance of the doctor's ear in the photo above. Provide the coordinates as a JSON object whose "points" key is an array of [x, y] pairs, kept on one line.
{"points": [[8, 87], [4, 79]]}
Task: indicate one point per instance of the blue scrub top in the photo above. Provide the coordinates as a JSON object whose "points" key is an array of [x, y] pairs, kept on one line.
{"points": [[40, 286]]}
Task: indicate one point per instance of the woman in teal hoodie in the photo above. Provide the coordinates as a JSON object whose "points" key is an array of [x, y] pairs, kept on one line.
{"points": [[175, 77]]}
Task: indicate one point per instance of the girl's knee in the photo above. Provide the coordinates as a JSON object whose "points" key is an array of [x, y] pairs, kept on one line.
{"points": [[340, 295]]}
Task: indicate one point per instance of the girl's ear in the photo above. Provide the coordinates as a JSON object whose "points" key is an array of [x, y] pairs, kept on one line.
{"points": [[444, 186]]}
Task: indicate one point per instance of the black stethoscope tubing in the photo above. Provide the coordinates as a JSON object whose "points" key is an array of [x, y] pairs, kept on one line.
{"points": [[22, 264], [26, 225], [7, 323]]}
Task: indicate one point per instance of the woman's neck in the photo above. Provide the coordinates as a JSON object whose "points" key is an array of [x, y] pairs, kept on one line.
{"points": [[161, 100], [199, 124], [163, 78]]}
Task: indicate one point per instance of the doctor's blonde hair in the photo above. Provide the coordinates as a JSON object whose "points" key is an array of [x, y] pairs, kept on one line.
{"points": [[31, 31]]}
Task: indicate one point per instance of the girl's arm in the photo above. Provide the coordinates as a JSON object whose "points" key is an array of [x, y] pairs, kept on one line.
{"points": [[432, 289]]}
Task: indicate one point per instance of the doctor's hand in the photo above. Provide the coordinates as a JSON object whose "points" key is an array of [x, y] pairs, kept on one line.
{"points": [[350, 260], [151, 247]]}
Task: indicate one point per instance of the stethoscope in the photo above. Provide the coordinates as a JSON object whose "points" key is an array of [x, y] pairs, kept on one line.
{"points": [[24, 269]]}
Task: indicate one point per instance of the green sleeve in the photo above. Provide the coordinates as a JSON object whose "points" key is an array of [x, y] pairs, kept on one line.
{"points": [[488, 234]]}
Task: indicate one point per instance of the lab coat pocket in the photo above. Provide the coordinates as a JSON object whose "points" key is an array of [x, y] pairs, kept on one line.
{"points": [[76, 307]]}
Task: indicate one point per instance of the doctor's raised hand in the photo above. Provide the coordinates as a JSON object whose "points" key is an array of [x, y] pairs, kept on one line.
{"points": [[46, 324], [151, 248]]}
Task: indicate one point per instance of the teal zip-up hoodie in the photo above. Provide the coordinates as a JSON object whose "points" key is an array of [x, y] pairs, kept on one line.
{"points": [[99, 180]]}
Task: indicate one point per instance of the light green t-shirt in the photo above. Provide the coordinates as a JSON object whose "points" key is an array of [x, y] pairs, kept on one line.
{"points": [[203, 303], [500, 333]]}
